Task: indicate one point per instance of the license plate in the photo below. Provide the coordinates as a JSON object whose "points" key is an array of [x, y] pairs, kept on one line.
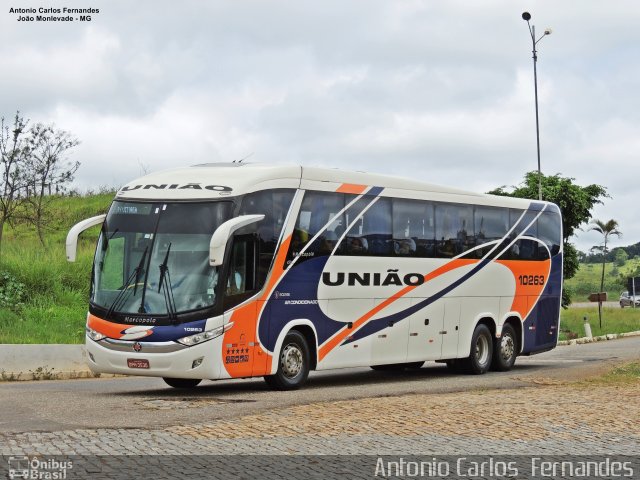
{"points": [[137, 363]]}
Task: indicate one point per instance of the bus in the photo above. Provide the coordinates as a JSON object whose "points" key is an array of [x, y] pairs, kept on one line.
{"points": [[241, 270]]}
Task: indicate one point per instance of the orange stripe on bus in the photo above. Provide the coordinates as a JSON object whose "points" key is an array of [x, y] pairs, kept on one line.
{"points": [[111, 330], [351, 188], [527, 294], [344, 333]]}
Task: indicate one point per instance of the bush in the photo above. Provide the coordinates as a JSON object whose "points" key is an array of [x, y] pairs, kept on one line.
{"points": [[12, 292]]}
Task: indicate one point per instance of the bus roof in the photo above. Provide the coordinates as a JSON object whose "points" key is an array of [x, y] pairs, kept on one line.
{"points": [[217, 180]]}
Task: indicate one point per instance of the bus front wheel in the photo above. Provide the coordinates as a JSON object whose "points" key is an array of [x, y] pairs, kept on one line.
{"points": [[479, 360], [182, 382], [293, 363]]}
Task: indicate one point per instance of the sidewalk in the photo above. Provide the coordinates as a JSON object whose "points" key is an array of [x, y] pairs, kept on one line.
{"points": [[57, 362], [43, 362]]}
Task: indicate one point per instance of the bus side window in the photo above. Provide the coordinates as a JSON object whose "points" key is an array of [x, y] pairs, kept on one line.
{"points": [[490, 224], [549, 231], [274, 205], [319, 217], [413, 228], [241, 273], [514, 251], [454, 229], [370, 234]]}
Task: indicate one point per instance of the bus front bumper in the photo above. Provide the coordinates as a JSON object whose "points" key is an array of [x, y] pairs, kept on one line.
{"points": [[152, 359]]}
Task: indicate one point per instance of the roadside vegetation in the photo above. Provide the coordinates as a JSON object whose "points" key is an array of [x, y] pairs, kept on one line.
{"points": [[624, 374], [43, 298], [587, 279], [614, 320]]}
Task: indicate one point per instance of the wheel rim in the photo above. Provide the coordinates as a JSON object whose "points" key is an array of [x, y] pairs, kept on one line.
{"points": [[291, 360], [482, 350], [507, 347]]}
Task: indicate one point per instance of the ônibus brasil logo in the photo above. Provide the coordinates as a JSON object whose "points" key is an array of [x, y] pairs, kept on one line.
{"points": [[38, 468]]}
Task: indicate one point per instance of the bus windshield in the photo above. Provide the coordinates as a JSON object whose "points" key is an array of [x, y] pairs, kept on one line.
{"points": [[153, 258]]}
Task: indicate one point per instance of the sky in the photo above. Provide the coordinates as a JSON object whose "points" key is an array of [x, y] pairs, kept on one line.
{"points": [[440, 91]]}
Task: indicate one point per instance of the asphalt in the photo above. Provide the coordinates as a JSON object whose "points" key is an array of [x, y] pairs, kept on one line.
{"points": [[148, 403]]}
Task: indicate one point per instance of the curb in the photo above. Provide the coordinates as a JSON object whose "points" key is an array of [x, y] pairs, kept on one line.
{"points": [[63, 362], [43, 362], [601, 338]]}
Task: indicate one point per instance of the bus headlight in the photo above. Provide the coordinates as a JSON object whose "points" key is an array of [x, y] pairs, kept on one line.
{"points": [[204, 336], [95, 336]]}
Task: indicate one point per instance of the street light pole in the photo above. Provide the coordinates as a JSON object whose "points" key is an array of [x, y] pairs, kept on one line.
{"points": [[532, 30]]}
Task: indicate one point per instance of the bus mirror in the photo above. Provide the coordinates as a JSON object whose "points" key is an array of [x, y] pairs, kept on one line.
{"points": [[223, 232], [76, 230]]}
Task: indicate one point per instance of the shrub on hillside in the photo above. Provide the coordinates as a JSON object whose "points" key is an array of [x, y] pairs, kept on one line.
{"points": [[12, 292]]}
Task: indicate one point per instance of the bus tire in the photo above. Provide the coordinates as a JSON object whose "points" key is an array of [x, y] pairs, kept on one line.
{"points": [[182, 382], [479, 361], [293, 363], [505, 350]]}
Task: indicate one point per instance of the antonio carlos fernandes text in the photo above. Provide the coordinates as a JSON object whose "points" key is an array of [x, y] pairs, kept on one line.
{"points": [[489, 467], [63, 10]]}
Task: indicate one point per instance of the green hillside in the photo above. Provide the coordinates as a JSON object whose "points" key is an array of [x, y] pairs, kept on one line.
{"points": [[587, 279], [43, 298]]}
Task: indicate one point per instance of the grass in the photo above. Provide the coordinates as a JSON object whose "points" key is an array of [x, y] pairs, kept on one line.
{"points": [[625, 374], [588, 276], [53, 305], [614, 320], [55, 292]]}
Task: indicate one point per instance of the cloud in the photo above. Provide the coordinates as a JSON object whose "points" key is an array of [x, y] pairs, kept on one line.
{"points": [[436, 90]]}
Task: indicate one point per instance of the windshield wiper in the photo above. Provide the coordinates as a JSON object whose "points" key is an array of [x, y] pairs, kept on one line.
{"points": [[133, 279], [168, 289]]}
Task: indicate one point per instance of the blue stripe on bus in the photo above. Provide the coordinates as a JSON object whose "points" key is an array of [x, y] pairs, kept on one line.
{"points": [[166, 333], [301, 283], [374, 191], [541, 325]]}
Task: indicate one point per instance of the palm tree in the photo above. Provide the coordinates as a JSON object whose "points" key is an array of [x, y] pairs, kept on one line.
{"points": [[606, 229]]}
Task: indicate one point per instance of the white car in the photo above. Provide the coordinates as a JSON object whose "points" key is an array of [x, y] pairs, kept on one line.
{"points": [[626, 299]]}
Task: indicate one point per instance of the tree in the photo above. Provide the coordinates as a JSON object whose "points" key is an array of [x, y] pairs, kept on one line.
{"points": [[14, 150], [606, 229], [620, 257], [49, 171], [575, 202], [33, 165]]}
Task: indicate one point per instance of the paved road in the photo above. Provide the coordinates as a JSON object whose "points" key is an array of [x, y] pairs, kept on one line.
{"points": [[149, 404], [337, 427]]}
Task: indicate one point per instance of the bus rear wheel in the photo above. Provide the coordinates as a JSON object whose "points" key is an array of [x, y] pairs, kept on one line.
{"points": [[293, 363], [505, 350], [479, 361], [182, 382]]}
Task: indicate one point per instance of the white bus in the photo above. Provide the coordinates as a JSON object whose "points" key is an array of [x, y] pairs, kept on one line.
{"points": [[240, 270]]}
